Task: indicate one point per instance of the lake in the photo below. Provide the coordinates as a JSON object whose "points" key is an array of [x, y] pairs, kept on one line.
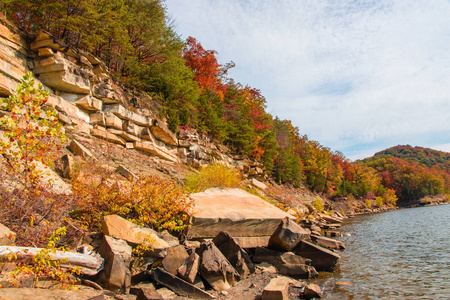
{"points": [[403, 254]]}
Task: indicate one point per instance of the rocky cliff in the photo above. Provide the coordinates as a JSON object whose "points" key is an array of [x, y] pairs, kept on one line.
{"points": [[91, 103]]}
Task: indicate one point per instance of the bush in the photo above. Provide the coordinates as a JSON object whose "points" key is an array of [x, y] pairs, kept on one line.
{"points": [[318, 204], [390, 197], [368, 203], [379, 201], [31, 134], [43, 266], [152, 201], [212, 176], [29, 144]]}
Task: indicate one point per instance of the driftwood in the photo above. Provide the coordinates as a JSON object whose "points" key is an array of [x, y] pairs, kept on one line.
{"points": [[88, 264]]}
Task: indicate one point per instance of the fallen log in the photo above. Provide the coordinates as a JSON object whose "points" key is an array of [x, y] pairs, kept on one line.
{"points": [[88, 264]]}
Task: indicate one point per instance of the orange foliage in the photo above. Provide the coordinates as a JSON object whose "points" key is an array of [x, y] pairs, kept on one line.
{"points": [[204, 64]]}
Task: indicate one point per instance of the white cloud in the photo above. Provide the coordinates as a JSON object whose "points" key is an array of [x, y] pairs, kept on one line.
{"points": [[354, 75]]}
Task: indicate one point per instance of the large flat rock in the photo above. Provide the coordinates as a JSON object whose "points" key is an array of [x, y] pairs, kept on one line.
{"points": [[234, 211]]}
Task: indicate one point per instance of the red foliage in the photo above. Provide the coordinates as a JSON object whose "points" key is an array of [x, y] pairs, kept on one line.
{"points": [[204, 64]]}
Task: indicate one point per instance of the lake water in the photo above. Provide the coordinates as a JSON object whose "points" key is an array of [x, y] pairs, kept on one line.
{"points": [[403, 254]]}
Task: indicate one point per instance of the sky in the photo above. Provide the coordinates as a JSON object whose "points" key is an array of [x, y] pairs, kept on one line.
{"points": [[359, 76]]}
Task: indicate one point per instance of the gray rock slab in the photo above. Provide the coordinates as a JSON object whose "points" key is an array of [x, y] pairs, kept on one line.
{"points": [[322, 259]]}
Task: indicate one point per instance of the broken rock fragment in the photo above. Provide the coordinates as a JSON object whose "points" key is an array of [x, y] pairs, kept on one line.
{"points": [[234, 253], [174, 259], [134, 234], [287, 235], [216, 269], [117, 255], [178, 285]]}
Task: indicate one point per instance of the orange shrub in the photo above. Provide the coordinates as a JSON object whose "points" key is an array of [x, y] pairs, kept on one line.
{"points": [[153, 201]]}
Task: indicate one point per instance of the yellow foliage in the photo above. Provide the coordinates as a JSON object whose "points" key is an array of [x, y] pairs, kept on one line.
{"points": [[43, 266], [212, 176], [153, 201], [379, 201], [318, 204]]}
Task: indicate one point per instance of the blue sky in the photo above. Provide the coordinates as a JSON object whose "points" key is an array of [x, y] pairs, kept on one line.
{"points": [[357, 76]]}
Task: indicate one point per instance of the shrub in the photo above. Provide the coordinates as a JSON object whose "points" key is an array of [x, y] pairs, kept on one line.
{"points": [[31, 134], [152, 201], [43, 266], [379, 201], [212, 176], [390, 197], [318, 204], [368, 203], [29, 144]]}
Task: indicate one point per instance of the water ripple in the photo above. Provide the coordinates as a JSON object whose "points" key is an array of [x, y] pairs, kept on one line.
{"points": [[403, 254]]}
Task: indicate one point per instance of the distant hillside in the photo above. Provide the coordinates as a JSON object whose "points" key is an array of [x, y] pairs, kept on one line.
{"points": [[424, 156], [413, 172]]}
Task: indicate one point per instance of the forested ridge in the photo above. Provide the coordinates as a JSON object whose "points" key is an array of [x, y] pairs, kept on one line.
{"points": [[136, 41], [421, 155]]}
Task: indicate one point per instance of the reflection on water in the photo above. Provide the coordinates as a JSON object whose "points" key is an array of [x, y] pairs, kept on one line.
{"points": [[402, 254]]}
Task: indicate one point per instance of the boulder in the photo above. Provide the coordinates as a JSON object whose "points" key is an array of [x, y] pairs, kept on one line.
{"points": [[68, 163], [124, 135], [120, 228], [267, 268], [312, 291], [80, 150], [90, 103], [161, 132], [148, 294], [7, 236], [126, 173], [234, 253], [298, 271], [108, 136], [258, 184], [216, 269], [277, 289], [287, 235], [234, 211], [117, 255], [327, 242], [165, 293], [113, 121], [287, 263], [118, 110], [178, 285], [170, 239], [175, 257], [189, 269], [322, 259], [277, 258], [153, 149], [332, 233], [63, 118], [330, 219]]}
